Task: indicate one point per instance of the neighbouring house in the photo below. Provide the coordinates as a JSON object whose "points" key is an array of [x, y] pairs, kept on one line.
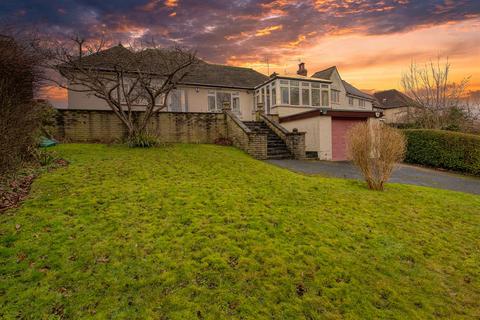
{"points": [[397, 108], [315, 111]]}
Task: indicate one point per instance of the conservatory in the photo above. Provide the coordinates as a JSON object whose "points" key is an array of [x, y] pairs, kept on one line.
{"points": [[282, 93]]}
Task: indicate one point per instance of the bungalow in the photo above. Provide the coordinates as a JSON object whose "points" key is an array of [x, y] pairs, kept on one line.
{"points": [[323, 106], [397, 108]]}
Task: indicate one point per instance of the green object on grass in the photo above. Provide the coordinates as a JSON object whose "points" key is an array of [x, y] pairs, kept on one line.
{"points": [[46, 142]]}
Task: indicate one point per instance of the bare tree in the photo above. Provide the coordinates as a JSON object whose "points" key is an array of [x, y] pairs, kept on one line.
{"points": [[127, 79], [432, 90]]}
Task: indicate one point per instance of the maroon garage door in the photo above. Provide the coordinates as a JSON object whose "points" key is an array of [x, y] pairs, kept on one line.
{"points": [[339, 131]]}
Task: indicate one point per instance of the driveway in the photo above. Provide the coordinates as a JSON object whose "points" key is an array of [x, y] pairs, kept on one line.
{"points": [[407, 174]]}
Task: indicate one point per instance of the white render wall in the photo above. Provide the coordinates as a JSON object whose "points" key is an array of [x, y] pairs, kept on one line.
{"points": [[195, 99], [318, 136], [343, 104]]}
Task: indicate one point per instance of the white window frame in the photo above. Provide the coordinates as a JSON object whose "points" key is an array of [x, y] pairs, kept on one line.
{"points": [[233, 95], [286, 84], [335, 96]]}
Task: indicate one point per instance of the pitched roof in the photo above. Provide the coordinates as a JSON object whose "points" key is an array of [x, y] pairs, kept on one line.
{"points": [[224, 76], [355, 92], [390, 99], [327, 74], [202, 73]]}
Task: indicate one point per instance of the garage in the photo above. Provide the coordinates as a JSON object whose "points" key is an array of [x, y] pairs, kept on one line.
{"points": [[340, 127]]}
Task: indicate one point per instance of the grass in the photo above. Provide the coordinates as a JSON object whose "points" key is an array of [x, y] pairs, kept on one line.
{"points": [[206, 232]]}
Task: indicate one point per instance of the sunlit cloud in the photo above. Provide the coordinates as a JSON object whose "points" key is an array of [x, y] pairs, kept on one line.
{"points": [[370, 40], [268, 30]]}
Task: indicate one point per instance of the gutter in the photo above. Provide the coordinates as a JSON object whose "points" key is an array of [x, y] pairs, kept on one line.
{"points": [[352, 114]]}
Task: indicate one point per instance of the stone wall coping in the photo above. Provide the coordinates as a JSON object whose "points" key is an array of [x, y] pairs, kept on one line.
{"points": [[135, 111], [238, 122]]}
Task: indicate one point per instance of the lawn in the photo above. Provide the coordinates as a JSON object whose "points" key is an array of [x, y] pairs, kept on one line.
{"points": [[206, 232]]}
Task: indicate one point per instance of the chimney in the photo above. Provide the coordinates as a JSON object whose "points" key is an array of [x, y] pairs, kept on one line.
{"points": [[301, 69]]}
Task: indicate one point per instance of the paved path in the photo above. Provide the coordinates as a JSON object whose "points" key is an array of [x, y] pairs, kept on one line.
{"points": [[404, 174]]}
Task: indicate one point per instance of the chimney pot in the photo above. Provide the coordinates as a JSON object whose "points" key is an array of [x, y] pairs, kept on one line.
{"points": [[301, 69]]}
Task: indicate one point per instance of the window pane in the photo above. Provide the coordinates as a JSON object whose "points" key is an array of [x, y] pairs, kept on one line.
{"points": [[316, 97], [325, 98], [315, 85], [294, 96], [268, 98], [335, 96], [325, 86], [221, 98], [350, 101], [175, 101], [294, 83], [236, 104], [211, 103], [305, 97], [284, 82], [274, 96], [284, 93]]}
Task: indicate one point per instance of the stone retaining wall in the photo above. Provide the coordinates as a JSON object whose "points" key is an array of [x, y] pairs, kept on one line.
{"points": [[104, 126], [169, 127]]}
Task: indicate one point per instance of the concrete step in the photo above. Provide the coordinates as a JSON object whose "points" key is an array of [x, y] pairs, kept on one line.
{"points": [[279, 156], [276, 147]]}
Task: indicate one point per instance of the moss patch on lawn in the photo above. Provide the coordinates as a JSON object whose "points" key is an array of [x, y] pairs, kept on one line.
{"points": [[206, 232]]}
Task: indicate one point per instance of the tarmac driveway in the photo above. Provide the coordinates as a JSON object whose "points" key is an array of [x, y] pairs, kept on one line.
{"points": [[407, 174]]}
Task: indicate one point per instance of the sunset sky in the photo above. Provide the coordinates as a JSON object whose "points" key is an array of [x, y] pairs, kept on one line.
{"points": [[371, 42]]}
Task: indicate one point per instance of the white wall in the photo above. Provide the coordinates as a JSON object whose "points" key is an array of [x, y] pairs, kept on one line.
{"points": [[198, 101], [318, 135], [283, 111], [193, 100], [337, 84]]}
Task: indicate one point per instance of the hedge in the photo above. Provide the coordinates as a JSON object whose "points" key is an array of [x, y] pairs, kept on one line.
{"points": [[444, 149]]}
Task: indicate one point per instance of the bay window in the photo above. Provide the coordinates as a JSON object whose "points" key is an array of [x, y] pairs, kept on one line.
{"points": [[297, 93]]}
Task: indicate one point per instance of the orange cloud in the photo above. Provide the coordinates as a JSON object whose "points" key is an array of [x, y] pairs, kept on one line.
{"points": [[171, 3], [268, 30], [295, 43], [153, 4]]}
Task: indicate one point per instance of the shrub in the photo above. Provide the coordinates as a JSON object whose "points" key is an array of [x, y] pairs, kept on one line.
{"points": [[444, 149], [20, 116], [375, 148], [142, 140]]}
